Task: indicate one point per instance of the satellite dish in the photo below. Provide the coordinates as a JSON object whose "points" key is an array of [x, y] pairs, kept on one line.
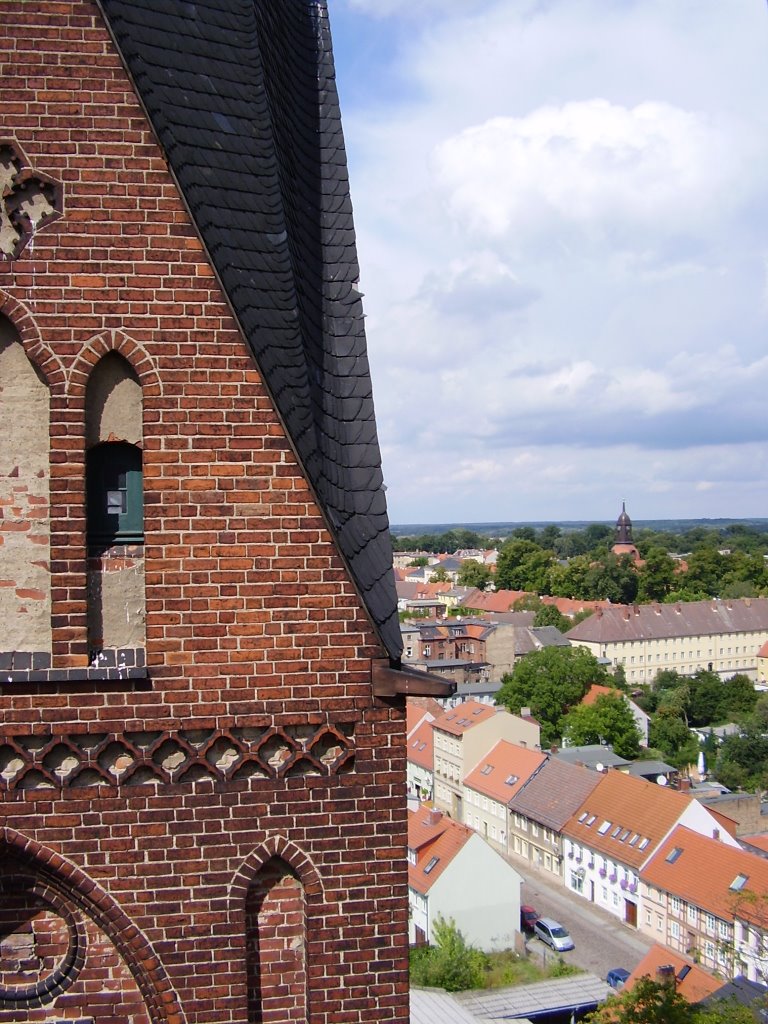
{"points": [[599, 767], [662, 780]]}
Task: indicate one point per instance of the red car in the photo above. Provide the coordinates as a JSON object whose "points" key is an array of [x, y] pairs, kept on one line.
{"points": [[528, 918]]}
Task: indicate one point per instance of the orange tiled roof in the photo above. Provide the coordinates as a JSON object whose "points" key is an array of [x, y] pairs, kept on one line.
{"points": [[625, 818], [596, 690], [695, 985], [436, 840], [420, 749], [703, 873], [457, 720], [506, 761]]}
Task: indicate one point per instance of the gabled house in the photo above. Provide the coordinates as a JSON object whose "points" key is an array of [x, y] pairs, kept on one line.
{"points": [[642, 721], [456, 875], [541, 807], [420, 761], [710, 902], [464, 734], [493, 782], [617, 829]]}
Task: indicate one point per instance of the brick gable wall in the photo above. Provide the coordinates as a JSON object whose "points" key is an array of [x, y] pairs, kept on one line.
{"points": [[252, 734]]}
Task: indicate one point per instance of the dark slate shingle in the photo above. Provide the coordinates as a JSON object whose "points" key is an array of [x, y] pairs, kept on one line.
{"points": [[242, 97]]}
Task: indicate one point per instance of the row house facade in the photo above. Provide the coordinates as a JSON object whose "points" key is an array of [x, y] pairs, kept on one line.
{"points": [[617, 829], [464, 734], [540, 809], [490, 786], [708, 902], [721, 636]]}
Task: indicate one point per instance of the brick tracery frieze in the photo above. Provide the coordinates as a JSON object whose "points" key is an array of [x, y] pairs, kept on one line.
{"points": [[42, 762], [29, 200]]}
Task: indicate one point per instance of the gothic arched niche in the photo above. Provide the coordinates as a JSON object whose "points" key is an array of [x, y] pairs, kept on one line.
{"points": [[25, 581], [115, 507], [276, 938]]}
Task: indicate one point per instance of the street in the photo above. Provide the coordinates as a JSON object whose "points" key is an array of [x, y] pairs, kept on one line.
{"points": [[602, 941]]}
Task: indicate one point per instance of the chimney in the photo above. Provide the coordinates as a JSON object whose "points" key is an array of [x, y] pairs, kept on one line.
{"points": [[433, 816], [665, 975], [525, 712], [684, 784], [715, 833]]}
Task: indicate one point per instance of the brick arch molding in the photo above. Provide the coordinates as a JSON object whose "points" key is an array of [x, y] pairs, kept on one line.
{"points": [[285, 849], [114, 341], [36, 350], [73, 885]]}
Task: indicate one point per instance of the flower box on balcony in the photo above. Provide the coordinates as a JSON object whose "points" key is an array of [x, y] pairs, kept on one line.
{"points": [[602, 872], [623, 883], [612, 878]]}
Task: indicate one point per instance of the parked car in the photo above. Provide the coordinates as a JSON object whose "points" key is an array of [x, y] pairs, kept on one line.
{"points": [[617, 977], [553, 933], [528, 918]]}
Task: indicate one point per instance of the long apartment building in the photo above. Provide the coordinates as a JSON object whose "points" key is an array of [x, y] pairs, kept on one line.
{"points": [[722, 636]]}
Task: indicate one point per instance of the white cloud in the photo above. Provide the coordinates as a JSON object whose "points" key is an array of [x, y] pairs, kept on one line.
{"points": [[607, 170], [562, 218]]}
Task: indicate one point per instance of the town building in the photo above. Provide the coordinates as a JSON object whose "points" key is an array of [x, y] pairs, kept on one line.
{"points": [[202, 698], [454, 875], [488, 788], [709, 902], [540, 809], [721, 636], [618, 828], [464, 734]]}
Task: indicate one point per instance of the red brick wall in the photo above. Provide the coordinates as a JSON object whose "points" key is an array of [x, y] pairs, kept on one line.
{"points": [[258, 648]]}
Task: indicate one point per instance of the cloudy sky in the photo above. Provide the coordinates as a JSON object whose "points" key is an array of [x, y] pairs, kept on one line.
{"points": [[562, 219]]}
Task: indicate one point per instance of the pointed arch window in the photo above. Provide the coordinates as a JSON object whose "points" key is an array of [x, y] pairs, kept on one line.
{"points": [[115, 494]]}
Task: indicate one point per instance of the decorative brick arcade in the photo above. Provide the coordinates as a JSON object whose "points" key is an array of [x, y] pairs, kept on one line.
{"points": [[202, 754]]}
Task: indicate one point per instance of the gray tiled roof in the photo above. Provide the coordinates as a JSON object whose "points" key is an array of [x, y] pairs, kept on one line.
{"points": [[653, 621], [554, 793], [242, 97]]}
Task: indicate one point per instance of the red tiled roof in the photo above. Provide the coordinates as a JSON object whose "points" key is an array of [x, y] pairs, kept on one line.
{"points": [[704, 871], [420, 749], [625, 817], [506, 761], [457, 720], [436, 840], [596, 690], [696, 985]]}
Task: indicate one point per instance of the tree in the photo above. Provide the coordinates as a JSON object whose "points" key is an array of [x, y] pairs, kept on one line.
{"points": [[548, 615], [451, 963], [656, 576], [609, 720], [474, 574], [646, 1002], [672, 736], [551, 681], [523, 565], [439, 575], [656, 1002]]}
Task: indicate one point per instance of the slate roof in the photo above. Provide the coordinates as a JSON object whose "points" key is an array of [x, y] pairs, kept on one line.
{"points": [[654, 621], [554, 793], [242, 97]]}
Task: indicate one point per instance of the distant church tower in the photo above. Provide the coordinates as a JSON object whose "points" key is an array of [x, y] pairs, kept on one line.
{"points": [[623, 543]]}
